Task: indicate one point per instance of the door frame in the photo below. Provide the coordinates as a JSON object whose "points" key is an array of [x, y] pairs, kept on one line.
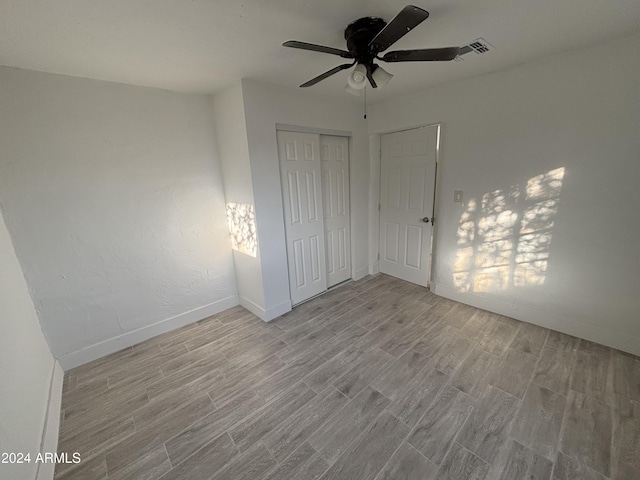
{"points": [[335, 133], [375, 141]]}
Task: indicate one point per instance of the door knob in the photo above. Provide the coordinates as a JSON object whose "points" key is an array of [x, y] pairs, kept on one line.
{"points": [[426, 220]]}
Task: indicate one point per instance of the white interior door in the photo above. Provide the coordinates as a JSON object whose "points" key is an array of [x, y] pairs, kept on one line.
{"points": [[407, 182], [335, 192], [300, 170]]}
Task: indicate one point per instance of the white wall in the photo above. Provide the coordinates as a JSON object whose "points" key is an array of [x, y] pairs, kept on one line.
{"points": [[114, 199], [231, 139], [265, 106], [580, 112], [26, 366]]}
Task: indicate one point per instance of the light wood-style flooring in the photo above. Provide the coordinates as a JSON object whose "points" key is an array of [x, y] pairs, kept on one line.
{"points": [[378, 379]]}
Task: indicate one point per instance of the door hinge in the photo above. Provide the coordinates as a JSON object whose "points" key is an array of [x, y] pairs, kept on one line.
{"points": [[378, 207], [378, 255]]}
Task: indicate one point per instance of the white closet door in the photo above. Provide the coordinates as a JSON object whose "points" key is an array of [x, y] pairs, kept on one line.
{"points": [[407, 182], [300, 170], [335, 191]]}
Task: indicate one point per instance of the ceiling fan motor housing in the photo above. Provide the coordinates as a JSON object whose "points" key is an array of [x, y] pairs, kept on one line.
{"points": [[359, 35]]}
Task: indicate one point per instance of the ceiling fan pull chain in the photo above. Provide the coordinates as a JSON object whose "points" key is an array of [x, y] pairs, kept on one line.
{"points": [[365, 102]]}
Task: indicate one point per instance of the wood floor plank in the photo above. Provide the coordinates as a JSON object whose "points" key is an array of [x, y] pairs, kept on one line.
{"points": [[399, 374], [287, 376], [334, 368], [321, 323], [499, 335], [308, 343], [304, 463], [166, 406], [147, 467], [435, 339], [480, 322], [111, 404], [370, 452], [339, 342], [402, 340], [201, 432], [556, 362], [204, 356], [86, 392], [626, 375], [254, 464], [253, 349], [591, 372], [475, 373], [411, 403], [231, 385], [145, 440], [461, 464], [587, 430], [451, 356], [294, 430], [437, 429], [333, 438], [459, 315], [299, 315], [205, 461], [408, 464], [213, 334], [514, 371], [178, 380], [253, 429], [524, 463], [369, 367], [374, 313], [538, 422], [530, 339], [488, 426], [93, 468], [566, 468], [99, 437], [625, 454]]}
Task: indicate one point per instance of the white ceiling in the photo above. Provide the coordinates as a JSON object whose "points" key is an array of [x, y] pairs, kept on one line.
{"points": [[204, 45]]}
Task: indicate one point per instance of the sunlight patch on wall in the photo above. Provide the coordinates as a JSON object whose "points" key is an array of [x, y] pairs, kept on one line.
{"points": [[242, 226], [504, 238]]}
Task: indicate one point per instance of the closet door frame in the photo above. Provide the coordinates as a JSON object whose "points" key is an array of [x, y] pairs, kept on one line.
{"points": [[328, 132]]}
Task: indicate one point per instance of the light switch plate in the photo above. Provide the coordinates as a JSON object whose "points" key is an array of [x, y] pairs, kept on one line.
{"points": [[457, 196]]}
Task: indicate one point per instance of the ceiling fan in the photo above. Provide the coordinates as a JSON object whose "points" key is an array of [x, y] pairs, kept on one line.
{"points": [[369, 36]]}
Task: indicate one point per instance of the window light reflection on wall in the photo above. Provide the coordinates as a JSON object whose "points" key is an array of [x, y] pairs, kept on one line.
{"points": [[504, 237], [242, 226]]}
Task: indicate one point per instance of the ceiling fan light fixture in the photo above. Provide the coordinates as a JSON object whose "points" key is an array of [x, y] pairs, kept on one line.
{"points": [[357, 79], [381, 76], [353, 91]]}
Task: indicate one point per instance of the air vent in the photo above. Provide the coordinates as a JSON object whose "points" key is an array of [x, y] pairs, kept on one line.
{"points": [[479, 46]]}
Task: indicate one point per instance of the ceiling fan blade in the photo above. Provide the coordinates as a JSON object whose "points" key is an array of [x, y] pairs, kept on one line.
{"points": [[317, 48], [370, 76], [405, 21], [326, 74], [426, 55]]}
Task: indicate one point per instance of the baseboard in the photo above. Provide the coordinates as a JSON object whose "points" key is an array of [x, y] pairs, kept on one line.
{"points": [[265, 314], [374, 268], [253, 307], [595, 333], [277, 310], [51, 428], [107, 347], [358, 274]]}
